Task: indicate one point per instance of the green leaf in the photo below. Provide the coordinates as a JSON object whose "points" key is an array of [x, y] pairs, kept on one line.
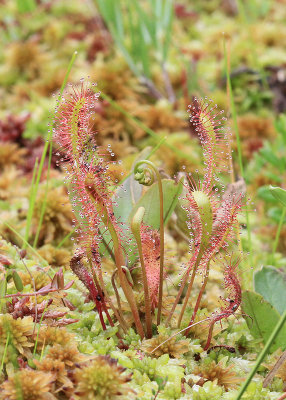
{"points": [[126, 196], [276, 214], [263, 319], [279, 194], [181, 213], [268, 154], [129, 192], [264, 193], [150, 201], [271, 284]]}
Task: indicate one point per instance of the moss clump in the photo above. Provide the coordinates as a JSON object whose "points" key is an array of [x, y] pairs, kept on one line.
{"points": [[19, 332], [102, 379], [28, 385]]}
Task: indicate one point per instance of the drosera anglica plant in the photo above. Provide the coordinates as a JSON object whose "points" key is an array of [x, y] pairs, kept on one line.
{"points": [[91, 195], [210, 215], [211, 220]]}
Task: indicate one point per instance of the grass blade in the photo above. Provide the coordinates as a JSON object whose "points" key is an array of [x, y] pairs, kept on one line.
{"points": [[239, 151], [31, 201], [262, 355], [27, 244], [48, 146]]}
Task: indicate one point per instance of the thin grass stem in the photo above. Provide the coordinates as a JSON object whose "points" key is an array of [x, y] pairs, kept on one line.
{"points": [[135, 227], [26, 243], [262, 355], [4, 352], [239, 151], [37, 338], [278, 233], [162, 239], [46, 147]]}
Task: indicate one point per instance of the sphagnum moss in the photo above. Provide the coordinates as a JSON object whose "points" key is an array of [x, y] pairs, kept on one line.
{"points": [[28, 384], [102, 379]]}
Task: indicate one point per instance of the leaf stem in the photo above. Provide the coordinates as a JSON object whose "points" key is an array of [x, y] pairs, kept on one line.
{"points": [[135, 227], [118, 253], [278, 233], [140, 175], [5, 352], [239, 151], [48, 146], [186, 299], [199, 298]]}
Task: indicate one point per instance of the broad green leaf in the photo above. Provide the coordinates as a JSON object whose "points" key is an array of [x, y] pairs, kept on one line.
{"points": [[263, 319], [276, 214], [275, 176], [181, 213], [150, 201], [268, 154], [279, 194], [264, 193], [271, 284], [129, 192], [126, 197]]}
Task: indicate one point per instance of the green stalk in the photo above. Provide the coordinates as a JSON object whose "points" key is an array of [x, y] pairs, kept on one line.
{"points": [[48, 145], [262, 355], [37, 338], [140, 175], [155, 148], [179, 294], [135, 227], [4, 352], [239, 151], [119, 313], [199, 298], [67, 237], [206, 216], [118, 253], [43, 209], [186, 299], [27, 244], [119, 260], [32, 197], [278, 233]]}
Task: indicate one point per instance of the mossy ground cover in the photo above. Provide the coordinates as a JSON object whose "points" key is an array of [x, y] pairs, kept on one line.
{"points": [[62, 337]]}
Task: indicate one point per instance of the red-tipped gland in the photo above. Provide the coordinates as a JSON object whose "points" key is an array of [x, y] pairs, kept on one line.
{"points": [[72, 121], [214, 139]]}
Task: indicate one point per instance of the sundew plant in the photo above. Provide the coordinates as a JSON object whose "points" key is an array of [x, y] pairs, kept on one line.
{"points": [[142, 233], [210, 216], [132, 295]]}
